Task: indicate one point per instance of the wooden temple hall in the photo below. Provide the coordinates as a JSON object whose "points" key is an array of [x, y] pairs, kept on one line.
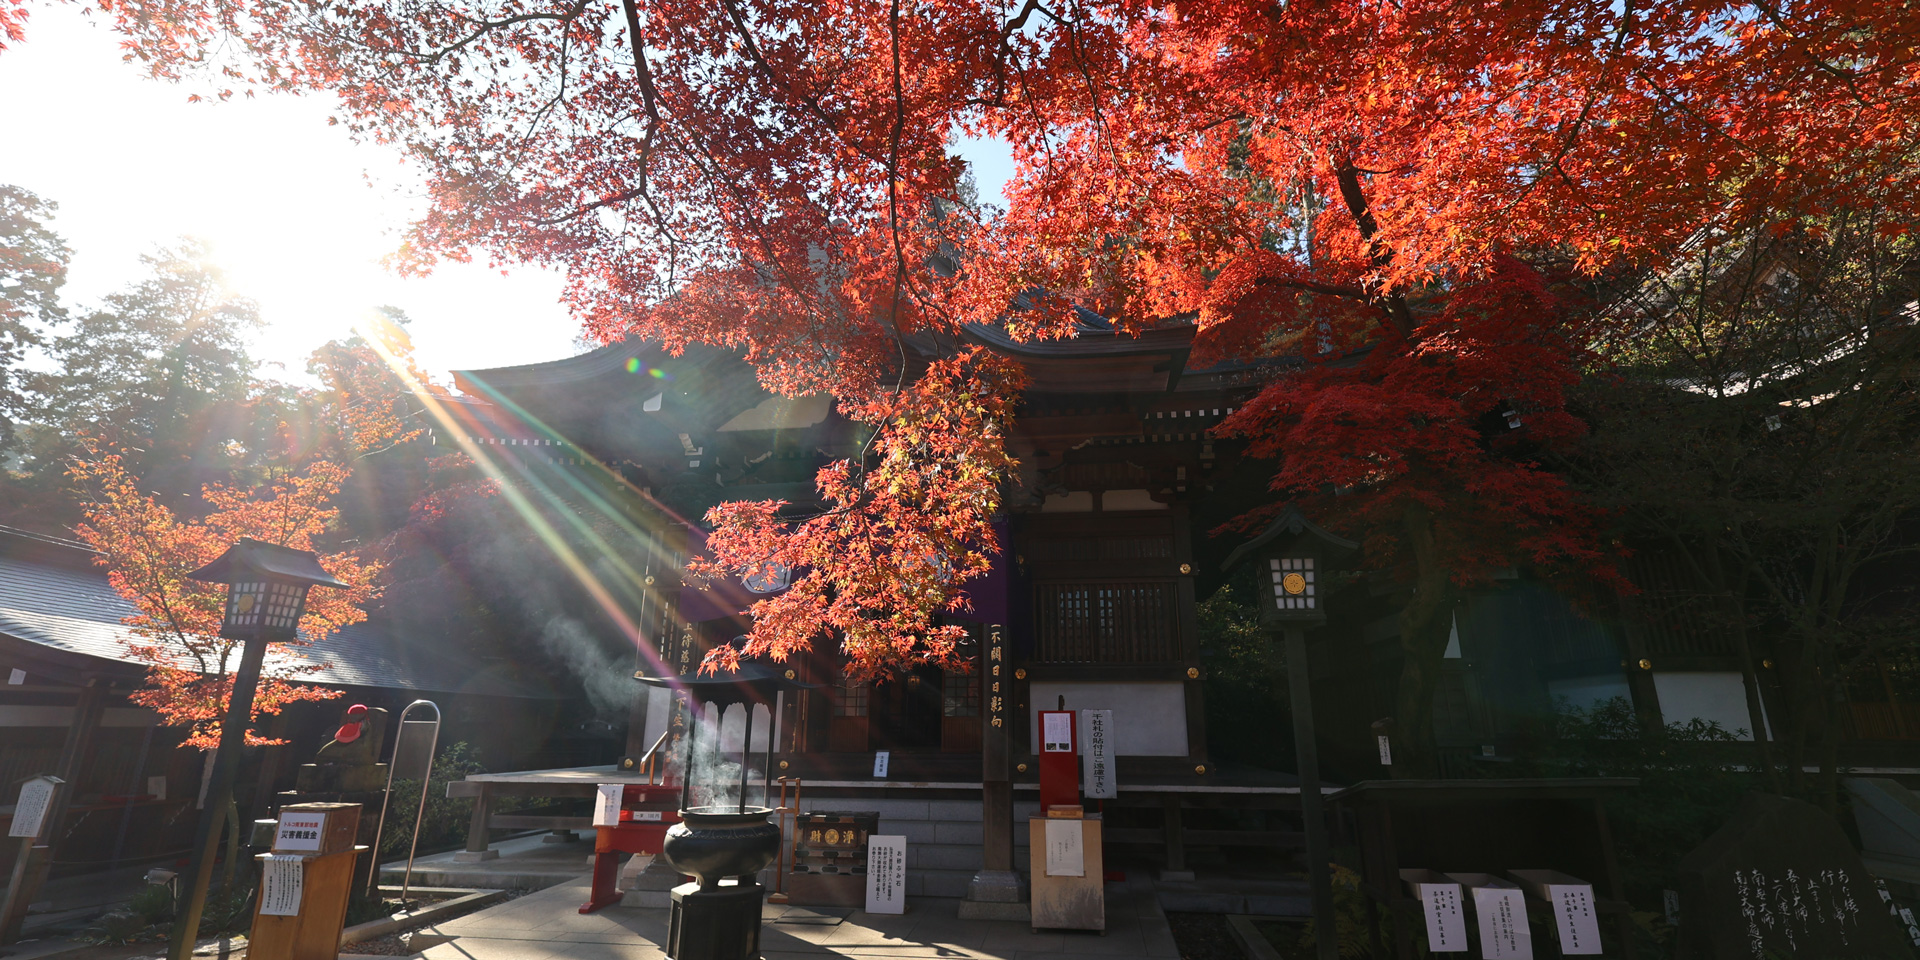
{"points": [[1093, 604]]}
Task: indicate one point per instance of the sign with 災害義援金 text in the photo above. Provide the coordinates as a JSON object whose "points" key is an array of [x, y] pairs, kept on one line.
{"points": [[300, 831], [886, 874], [1096, 764]]}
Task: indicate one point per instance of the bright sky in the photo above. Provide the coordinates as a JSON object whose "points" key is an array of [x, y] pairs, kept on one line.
{"points": [[298, 214]]}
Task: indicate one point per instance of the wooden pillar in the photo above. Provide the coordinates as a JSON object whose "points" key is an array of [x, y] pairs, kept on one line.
{"points": [[1174, 832], [996, 893], [87, 710], [272, 759], [1312, 805]]}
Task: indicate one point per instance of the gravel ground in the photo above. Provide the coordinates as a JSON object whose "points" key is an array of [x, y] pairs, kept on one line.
{"points": [[1204, 936]]}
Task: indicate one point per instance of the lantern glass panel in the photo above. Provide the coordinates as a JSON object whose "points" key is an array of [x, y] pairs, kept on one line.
{"points": [[283, 605], [246, 604], [1293, 583]]}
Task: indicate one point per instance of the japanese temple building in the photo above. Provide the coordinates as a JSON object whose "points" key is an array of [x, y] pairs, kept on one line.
{"points": [[1091, 604], [1108, 547]]}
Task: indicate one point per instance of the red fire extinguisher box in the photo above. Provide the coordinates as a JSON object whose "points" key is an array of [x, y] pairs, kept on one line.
{"points": [[1059, 760]]}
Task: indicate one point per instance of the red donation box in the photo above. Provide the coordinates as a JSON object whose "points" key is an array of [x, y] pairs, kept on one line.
{"points": [[1059, 760]]}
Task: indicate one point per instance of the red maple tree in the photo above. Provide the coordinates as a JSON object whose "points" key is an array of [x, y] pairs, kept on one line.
{"points": [[148, 550], [779, 176]]}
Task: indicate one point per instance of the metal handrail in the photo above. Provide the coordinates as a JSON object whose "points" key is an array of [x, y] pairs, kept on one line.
{"points": [[426, 782], [647, 761]]}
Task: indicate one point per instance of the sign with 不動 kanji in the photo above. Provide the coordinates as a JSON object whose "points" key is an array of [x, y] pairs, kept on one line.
{"points": [[1446, 923], [1096, 765], [886, 874]]}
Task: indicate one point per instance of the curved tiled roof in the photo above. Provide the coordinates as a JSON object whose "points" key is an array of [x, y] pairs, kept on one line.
{"points": [[71, 610]]}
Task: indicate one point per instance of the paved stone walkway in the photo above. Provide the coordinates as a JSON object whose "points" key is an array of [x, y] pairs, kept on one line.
{"points": [[547, 926]]}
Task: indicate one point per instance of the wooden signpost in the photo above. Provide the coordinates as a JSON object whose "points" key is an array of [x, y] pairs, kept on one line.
{"points": [[305, 883], [29, 821]]}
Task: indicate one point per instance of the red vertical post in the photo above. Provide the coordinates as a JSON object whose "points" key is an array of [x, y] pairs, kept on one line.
{"points": [[1059, 759]]}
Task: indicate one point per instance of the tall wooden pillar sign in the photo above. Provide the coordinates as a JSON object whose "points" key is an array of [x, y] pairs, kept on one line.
{"points": [[996, 892], [1290, 559]]}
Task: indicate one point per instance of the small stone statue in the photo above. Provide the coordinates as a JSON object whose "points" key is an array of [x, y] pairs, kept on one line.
{"points": [[350, 762]]}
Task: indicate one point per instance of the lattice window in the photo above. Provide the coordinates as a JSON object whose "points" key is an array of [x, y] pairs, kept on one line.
{"points": [[849, 699], [1108, 622], [959, 695]]}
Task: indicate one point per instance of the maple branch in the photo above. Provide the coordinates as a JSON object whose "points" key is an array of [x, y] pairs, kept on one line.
{"points": [[1314, 286], [482, 28], [812, 104], [1378, 253]]}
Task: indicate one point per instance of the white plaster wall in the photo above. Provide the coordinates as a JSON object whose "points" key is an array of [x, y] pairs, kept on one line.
{"points": [[1149, 717], [659, 712], [1719, 697], [1585, 693]]}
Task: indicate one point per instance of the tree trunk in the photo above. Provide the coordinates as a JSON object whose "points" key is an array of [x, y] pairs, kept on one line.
{"points": [[1829, 784], [1424, 626], [1749, 676]]}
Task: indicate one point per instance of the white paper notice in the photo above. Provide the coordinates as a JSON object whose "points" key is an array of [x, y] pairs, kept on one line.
{"points": [[281, 884], [17, 677], [157, 786], [1065, 855], [1503, 924], [1056, 732], [886, 874], [1574, 917], [1096, 767], [1446, 924], [606, 807], [300, 831], [881, 761], [35, 796], [1386, 751]]}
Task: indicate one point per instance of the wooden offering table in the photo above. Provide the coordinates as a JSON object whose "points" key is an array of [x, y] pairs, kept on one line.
{"points": [[1069, 874]]}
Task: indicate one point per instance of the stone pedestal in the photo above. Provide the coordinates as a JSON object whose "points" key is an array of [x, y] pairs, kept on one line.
{"points": [[718, 924], [650, 887], [996, 895]]}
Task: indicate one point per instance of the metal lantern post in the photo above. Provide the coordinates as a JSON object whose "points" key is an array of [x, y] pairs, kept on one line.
{"points": [[267, 589], [1290, 559], [716, 918]]}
